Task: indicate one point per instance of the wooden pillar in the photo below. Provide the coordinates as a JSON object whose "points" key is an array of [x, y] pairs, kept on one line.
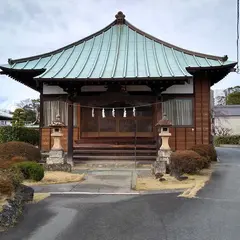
{"points": [[79, 120], [206, 111], [198, 109], [41, 122], [202, 109], [70, 133], [157, 117]]}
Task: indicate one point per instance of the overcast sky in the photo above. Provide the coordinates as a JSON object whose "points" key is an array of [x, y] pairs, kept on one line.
{"points": [[29, 27]]}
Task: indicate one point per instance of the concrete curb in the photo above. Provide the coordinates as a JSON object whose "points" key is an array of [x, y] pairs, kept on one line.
{"points": [[110, 169], [230, 145], [119, 193], [94, 193]]}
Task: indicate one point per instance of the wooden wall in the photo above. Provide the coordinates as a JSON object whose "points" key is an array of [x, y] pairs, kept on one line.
{"points": [[185, 137], [182, 137], [47, 140]]}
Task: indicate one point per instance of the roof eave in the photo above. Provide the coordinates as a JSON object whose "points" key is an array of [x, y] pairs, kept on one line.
{"points": [[229, 66], [147, 79], [215, 73], [5, 118], [24, 76]]}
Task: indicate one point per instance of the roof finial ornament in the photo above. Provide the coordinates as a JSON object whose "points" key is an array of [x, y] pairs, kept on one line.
{"points": [[10, 61], [225, 58], [120, 17]]}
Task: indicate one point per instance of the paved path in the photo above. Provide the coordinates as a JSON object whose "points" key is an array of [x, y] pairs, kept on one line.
{"points": [[214, 215], [108, 181]]}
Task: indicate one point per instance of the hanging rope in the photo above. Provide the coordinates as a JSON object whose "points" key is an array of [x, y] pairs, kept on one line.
{"points": [[110, 108], [134, 108], [237, 68]]}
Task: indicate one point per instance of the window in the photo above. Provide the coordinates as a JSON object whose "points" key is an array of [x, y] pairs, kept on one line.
{"points": [[52, 108], [179, 111]]}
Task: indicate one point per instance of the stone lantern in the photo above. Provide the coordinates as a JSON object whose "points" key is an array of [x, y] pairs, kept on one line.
{"points": [[56, 155], [164, 151]]}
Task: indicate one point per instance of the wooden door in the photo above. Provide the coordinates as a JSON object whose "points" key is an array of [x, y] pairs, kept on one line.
{"points": [[118, 126]]}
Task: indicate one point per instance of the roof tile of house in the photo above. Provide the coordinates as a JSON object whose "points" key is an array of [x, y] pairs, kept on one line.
{"points": [[228, 110]]}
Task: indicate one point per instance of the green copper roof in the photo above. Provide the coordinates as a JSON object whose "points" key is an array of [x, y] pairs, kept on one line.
{"points": [[5, 116], [118, 51]]}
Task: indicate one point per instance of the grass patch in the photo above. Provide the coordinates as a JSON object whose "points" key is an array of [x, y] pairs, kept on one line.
{"points": [[193, 184], [56, 177], [39, 197], [2, 202]]}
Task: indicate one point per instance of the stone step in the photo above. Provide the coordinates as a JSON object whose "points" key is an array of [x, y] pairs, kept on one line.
{"points": [[88, 157], [110, 164]]}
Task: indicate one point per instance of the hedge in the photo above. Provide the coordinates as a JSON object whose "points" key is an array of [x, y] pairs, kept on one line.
{"points": [[10, 179], [7, 163], [22, 134], [14, 152], [206, 150], [233, 139], [31, 170], [186, 161]]}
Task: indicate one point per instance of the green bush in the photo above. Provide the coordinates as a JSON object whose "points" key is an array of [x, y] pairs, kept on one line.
{"points": [[6, 185], [11, 150], [15, 175], [206, 150], [31, 170], [22, 134], [233, 139], [10, 179], [186, 161]]}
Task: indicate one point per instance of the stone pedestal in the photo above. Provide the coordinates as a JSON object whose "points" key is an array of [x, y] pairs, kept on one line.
{"points": [[56, 157], [164, 155], [164, 152]]}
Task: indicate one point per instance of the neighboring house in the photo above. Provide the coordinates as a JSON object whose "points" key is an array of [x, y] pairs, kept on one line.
{"points": [[227, 116], [114, 85], [5, 118]]}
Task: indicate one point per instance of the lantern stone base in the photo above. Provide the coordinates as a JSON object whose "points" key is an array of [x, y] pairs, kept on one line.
{"points": [[164, 155], [58, 167], [56, 157], [160, 165]]}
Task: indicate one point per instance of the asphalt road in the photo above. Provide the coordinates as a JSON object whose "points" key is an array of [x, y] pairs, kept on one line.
{"points": [[214, 215]]}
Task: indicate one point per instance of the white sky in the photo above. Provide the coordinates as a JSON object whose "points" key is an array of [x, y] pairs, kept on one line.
{"points": [[29, 27]]}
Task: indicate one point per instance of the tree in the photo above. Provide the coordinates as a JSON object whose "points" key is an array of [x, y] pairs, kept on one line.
{"points": [[32, 110], [19, 118], [234, 89], [220, 100], [233, 98], [221, 131]]}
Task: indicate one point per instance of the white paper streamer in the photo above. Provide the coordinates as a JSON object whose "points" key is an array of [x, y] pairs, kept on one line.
{"points": [[103, 113], [93, 114], [113, 112], [134, 112], [124, 113]]}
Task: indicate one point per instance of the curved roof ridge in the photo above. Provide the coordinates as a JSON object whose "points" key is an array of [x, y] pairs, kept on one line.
{"points": [[224, 58], [12, 61]]}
